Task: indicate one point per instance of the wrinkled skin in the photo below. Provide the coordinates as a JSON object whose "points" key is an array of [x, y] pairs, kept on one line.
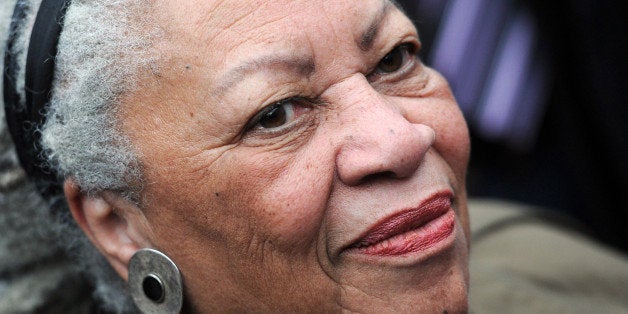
{"points": [[257, 214]]}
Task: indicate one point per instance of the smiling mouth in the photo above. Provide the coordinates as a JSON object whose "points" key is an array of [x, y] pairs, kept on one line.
{"points": [[410, 231]]}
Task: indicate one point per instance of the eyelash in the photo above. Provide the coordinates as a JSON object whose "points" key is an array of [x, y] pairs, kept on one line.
{"points": [[299, 103]]}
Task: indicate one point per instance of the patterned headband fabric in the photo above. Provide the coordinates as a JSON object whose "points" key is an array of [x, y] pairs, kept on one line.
{"points": [[25, 121]]}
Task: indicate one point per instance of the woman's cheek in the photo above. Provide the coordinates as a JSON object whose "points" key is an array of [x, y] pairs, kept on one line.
{"points": [[288, 193], [452, 135], [452, 141]]}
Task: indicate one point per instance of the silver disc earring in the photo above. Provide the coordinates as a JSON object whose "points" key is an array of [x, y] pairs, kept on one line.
{"points": [[155, 282]]}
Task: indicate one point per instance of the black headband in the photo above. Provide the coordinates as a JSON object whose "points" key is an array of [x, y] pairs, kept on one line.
{"points": [[24, 123]]}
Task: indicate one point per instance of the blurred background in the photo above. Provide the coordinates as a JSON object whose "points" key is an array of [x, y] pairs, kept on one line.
{"points": [[543, 87]]}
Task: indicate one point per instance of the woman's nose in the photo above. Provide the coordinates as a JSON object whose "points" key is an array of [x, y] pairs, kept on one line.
{"points": [[380, 142]]}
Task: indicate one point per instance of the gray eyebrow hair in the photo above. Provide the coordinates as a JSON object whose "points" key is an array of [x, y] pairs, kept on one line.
{"points": [[368, 37], [305, 65]]}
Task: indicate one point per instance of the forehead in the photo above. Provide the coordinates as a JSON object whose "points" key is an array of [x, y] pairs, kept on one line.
{"points": [[237, 15], [221, 35], [226, 25]]}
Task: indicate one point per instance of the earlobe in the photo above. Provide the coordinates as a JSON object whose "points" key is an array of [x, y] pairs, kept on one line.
{"points": [[113, 224]]}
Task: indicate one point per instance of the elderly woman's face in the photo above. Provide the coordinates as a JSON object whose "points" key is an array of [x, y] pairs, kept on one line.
{"points": [[298, 155]]}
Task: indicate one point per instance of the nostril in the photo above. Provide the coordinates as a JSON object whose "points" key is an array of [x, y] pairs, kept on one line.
{"points": [[378, 176]]}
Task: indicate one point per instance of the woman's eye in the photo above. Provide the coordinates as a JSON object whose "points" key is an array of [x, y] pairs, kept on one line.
{"points": [[395, 60], [279, 115], [276, 116]]}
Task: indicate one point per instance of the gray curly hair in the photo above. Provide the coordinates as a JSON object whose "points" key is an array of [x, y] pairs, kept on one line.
{"points": [[103, 48]]}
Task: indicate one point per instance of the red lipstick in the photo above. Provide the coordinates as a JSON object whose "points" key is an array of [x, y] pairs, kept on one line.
{"points": [[410, 230]]}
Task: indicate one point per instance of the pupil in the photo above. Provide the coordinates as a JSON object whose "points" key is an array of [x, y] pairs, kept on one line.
{"points": [[392, 61], [274, 118]]}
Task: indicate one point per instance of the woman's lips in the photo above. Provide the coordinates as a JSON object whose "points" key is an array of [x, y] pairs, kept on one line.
{"points": [[411, 230]]}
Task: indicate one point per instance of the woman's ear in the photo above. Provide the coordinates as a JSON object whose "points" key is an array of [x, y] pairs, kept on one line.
{"points": [[115, 225]]}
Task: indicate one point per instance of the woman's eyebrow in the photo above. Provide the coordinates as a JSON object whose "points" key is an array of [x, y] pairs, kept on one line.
{"points": [[304, 66], [368, 37]]}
